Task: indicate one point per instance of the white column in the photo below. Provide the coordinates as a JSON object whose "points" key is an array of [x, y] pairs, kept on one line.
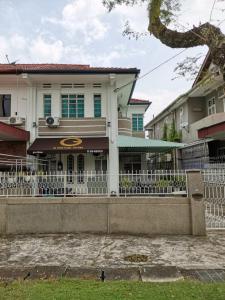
{"points": [[112, 120]]}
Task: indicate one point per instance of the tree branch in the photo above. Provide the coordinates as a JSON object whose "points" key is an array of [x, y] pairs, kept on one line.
{"points": [[206, 34]]}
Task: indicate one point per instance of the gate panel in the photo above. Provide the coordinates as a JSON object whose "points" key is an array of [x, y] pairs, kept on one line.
{"points": [[214, 197]]}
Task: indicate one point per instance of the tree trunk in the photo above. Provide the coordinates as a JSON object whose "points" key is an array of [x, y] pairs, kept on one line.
{"points": [[206, 34]]}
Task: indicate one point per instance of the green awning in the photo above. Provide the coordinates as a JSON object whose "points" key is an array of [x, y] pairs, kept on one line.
{"points": [[134, 144]]}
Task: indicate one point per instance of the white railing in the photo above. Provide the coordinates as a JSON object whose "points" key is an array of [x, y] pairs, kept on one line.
{"points": [[214, 197], [53, 184], [41, 184], [159, 183]]}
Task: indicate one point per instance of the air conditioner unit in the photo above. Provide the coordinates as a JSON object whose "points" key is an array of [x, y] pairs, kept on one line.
{"points": [[184, 125], [52, 122], [16, 121]]}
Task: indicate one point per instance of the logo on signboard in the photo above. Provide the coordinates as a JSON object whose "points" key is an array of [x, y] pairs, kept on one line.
{"points": [[70, 142]]}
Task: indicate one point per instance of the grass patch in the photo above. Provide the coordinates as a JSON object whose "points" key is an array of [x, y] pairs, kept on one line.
{"points": [[84, 290]]}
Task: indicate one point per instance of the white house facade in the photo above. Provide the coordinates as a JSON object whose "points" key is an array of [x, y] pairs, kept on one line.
{"points": [[70, 117]]}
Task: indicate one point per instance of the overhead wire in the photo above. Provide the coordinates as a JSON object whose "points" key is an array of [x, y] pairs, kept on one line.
{"points": [[161, 64], [212, 9], [150, 71]]}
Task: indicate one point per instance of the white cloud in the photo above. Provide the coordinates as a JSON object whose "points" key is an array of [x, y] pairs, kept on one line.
{"points": [[42, 49], [83, 18], [199, 12], [46, 51], [13, 45], [136, 16]]}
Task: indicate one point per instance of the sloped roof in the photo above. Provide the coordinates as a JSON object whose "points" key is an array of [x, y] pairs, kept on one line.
{"points": [[61, 68], [139, 101], [12, 133], [204, 68], [145, 145]]}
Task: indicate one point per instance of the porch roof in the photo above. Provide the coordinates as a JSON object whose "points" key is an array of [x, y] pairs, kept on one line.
{"points": [[134, 144], [69, 145], [12, 133]]}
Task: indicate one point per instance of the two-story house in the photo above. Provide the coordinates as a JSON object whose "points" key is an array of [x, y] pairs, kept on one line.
{"points": [[69, 117], [199, 119], [73, 119]]}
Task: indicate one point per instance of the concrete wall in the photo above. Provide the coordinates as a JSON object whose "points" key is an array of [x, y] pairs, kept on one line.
{"points": [[132, 215]]}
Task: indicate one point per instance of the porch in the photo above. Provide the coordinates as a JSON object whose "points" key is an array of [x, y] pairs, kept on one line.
{"points": [[97, 165]]}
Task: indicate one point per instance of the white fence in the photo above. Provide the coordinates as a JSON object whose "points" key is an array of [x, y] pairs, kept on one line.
{"points": [[53, 184], [214, 195], [92, 183], [160, 183]]}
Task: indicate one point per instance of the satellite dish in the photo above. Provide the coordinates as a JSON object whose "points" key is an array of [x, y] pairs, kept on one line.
{"points": [[11, 63]]}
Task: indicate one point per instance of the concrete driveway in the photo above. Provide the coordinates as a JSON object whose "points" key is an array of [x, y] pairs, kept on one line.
{"points": [[110, 251]]}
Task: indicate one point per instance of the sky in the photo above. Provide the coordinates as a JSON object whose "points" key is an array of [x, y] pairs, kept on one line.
{"points": [[83, 32]]}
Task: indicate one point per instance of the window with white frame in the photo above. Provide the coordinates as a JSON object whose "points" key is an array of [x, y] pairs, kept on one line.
{"points": [[212, 106], [47, 105], [137, 122], [97, 106], [72, 106]]}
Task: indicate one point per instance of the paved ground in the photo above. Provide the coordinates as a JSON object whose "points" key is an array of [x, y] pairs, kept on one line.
{"points": [[109, 251]]}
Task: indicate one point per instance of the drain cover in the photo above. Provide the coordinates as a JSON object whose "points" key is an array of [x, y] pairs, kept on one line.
{"points": [[205, 275], [136, 258]]}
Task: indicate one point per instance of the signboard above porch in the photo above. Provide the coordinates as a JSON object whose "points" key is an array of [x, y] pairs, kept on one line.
{"points": [[69, 145]]}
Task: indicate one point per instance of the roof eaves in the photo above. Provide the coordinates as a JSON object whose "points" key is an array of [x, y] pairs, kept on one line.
{"points": [[205, 63], [185, 95], [134, 84], [166, 110]]}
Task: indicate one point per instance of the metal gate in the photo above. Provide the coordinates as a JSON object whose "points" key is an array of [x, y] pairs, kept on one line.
{"points": [[214, 197]]}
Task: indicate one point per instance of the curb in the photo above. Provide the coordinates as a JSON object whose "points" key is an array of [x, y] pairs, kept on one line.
{"points": [[144, 274]]}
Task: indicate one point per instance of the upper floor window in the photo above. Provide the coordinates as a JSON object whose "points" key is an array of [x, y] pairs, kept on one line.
{"points": [[97, 106], [137, 122], [5, 105], [72, 106], [211, 106], [47, 105]]}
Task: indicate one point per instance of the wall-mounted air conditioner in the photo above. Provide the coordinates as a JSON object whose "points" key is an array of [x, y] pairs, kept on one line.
{"points": [[52, 122], [184, 125], [16, 121]]}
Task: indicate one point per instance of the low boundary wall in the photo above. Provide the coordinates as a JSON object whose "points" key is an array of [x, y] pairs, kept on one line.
{"points": [[131, 215]]}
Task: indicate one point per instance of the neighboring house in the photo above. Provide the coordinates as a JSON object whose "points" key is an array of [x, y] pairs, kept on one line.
{"points": [[199, 118], [70, 117]]}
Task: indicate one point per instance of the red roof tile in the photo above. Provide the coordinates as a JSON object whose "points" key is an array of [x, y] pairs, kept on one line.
{"points": [[139, 101], [60, 68]]}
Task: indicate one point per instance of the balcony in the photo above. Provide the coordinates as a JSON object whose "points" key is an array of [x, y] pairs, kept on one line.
{"points": [[77, 127], [125, 126], [210, 126]]}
